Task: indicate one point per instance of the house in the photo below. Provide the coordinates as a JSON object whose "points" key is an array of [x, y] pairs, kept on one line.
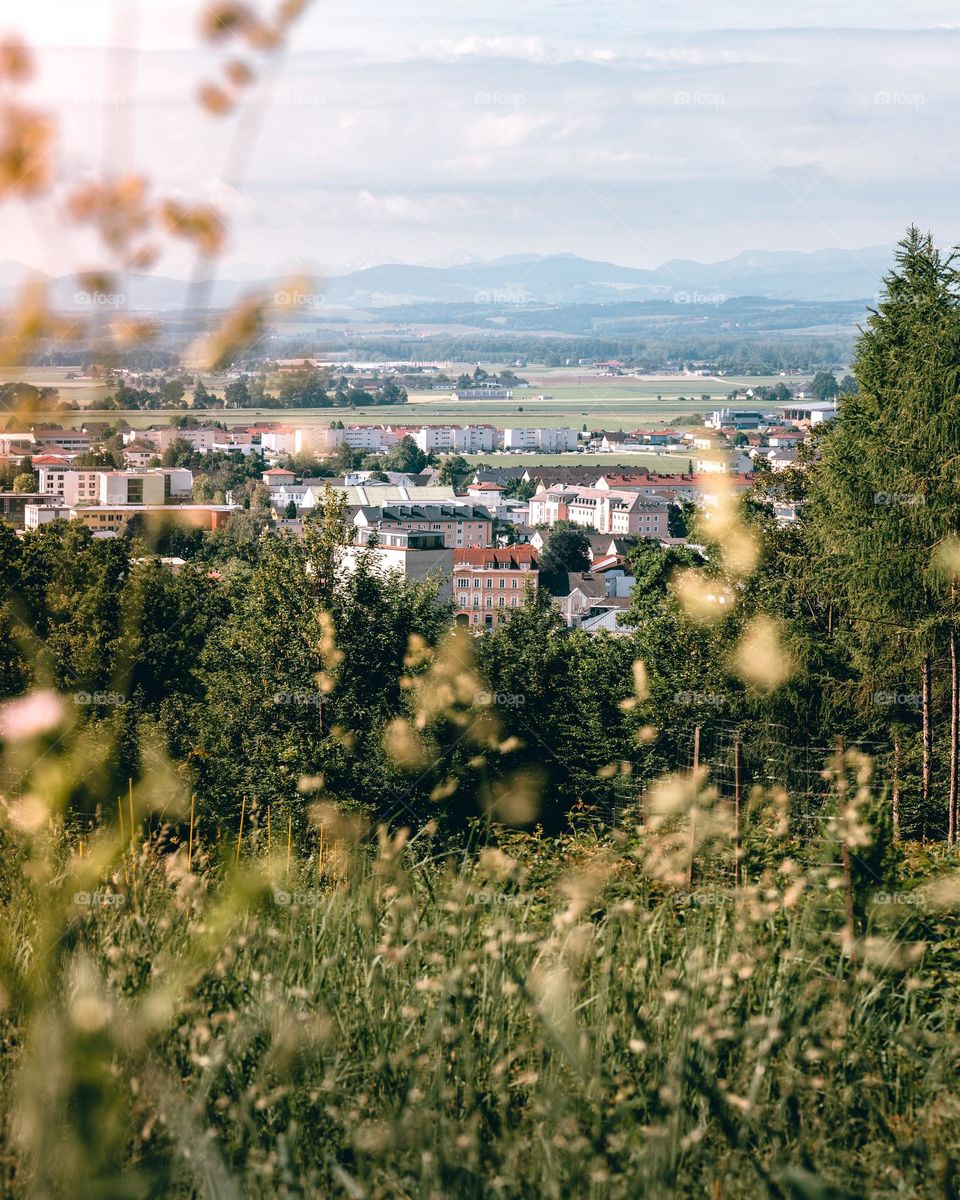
{"points": [[482, 393], [619, 441], [73, 441], [458, 525], [501, 475], [606, 510], [583, 597], [739, 418], [201, 440], [584, 476], [412, 554], [574, 592], [606, 618], [812, 412], [13, 505], [107, 520], [724, 463], [485, 493], [278, 477], [138, 454], [489, 583]]}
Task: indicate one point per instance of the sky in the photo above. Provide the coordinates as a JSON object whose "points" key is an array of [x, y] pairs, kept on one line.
{"points": [[428, 132]]}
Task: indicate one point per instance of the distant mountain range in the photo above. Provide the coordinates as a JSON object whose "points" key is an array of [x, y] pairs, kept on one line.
{"points": [[826, 275]]}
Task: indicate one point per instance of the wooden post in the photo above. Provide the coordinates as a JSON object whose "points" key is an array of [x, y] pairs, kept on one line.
{"points": [[954, 738], [895, 796], [130, 785], [693, 806], [927, 738], [289, 841], [737, 840], [193, 800], [243, 809], [844, 848], [120, 816]]}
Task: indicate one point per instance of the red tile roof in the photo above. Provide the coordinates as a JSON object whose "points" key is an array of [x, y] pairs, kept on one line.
{"points": [[503, 558]]}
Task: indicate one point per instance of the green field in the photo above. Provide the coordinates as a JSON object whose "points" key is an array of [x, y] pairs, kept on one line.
{"points": [[576, 398], [663, 464]]}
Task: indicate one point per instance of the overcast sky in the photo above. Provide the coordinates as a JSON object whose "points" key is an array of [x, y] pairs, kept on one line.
{"points": [[426, 132]]}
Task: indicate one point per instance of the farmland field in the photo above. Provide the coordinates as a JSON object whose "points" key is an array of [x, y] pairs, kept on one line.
{"points": [[572, 398]]}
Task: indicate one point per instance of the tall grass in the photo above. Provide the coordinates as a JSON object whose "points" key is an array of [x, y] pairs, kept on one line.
{"points": [[539, 1020]]}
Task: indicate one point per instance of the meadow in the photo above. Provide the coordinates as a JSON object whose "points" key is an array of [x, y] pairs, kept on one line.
{"points": [[540, 1018]]}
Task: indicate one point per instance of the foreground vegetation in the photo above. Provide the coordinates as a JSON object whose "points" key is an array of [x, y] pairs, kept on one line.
{"points": [[537, 1018]]}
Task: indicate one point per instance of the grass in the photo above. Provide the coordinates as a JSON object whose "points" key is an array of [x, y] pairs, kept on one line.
{"points": [[660, 463], [546, 1019]]}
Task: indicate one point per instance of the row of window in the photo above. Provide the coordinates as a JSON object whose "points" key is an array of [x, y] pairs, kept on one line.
{"points": [[514, 583], [501, 601]]}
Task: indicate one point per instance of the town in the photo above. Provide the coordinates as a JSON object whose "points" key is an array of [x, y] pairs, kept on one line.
{"points": [[484, 533]]}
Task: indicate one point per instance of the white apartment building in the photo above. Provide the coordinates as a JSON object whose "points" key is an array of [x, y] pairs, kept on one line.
{"points": [[317, 439], [201, 440], [474, 439], [455, 439], [365, 437], [521, 439], [70, 484], [131, 487], [73, 486], [557, 441], [435, 439], [230, 443], [554, 441], [279, 441]]}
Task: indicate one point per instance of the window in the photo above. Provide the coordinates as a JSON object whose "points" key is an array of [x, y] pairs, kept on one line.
{"points": [[514, 601], [476, 601], [489, 583], [489, 603], [463, 599], [463, 583], [514, 583], [501, 600], [503, 583]]}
